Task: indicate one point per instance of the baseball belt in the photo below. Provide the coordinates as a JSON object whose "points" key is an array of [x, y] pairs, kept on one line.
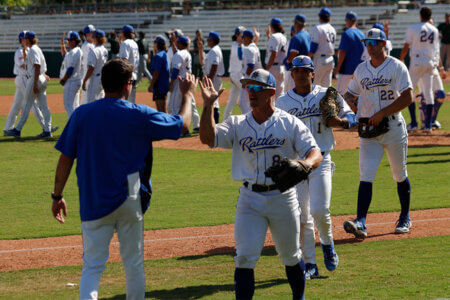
{"points": [[259, 188]]}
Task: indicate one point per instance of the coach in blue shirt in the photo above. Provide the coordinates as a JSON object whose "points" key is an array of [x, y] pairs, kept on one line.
{"points": [[299, 44], [112, 141], [350, 51], [160, 71]]}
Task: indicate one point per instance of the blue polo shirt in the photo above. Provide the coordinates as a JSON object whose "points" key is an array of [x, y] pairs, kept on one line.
{"points": [[301, 42], [110, 138], [161, 63], [353, 47]]}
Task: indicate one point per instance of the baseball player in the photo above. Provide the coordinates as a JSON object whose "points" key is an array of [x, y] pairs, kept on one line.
{"points": [[96, 60], [423, 39], [439, 98], [276, 53], [299, 45], [259, 139], [143, 57], [181, 65], [235, 69], [20, 82], [350, 52], [314, 194], [159, 85], [70, 73], [35, 87], [251, 60], [287, 73], [113, 177], [213, 66], [87, 46], [383, 88], [323, 37], [366, 55], [130, 51]]}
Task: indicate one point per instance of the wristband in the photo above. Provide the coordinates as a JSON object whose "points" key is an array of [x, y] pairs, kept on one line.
{"points": [[56, 198]]}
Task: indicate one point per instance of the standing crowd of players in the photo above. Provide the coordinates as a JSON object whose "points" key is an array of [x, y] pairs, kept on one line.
{"points": [[281, 117]]}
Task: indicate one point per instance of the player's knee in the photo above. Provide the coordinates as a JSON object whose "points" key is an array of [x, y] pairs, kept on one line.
{"points": [[400, 176], [246, 261], [319, 213], [290, 259]]}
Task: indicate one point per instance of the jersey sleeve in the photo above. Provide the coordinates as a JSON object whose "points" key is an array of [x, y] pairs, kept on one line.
{"points": [[302, 138], [294, 45], [157, 63], [124, 51], [75, 59], [249, 56], [403, 80], [160, 125], [344, 42], [273, 44], [353, 87], [67, 142], [91, 58], [409, 36], [177, 61], [33, 57], [315, 35], [344, 108], [224, 137], [213, 58]]}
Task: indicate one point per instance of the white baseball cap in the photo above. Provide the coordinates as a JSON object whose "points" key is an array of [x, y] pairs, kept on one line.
{"points": [[261, 76], [375, 34]]}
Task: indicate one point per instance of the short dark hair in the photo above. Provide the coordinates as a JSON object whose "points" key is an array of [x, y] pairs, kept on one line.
{"points": [[324, 18], [425, 13], [116, 73], [129, 35], [141, 34], [278, 28], [161, 46]]}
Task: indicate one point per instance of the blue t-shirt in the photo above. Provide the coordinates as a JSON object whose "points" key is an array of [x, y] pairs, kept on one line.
{"points": [[110, 138], [353, 47], [300, 42], [161, 63]]}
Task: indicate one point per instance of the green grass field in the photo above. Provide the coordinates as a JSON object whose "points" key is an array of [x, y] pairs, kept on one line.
{"points": [[194, 188]]}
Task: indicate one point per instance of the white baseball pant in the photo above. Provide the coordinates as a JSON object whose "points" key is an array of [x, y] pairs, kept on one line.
{"points": [[175, 104], [217, 83], [71, 94], [278, 72], [41, 99], [84, 96], [255, 212], [128, 221], [421, 69], [95, 89], [143, 68], [323, 70], [314, 196], [235, 91], [342, 83], [18, 104]]}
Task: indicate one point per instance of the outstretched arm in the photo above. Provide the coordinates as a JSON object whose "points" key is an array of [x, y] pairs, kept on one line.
{"points": [[207, 123], [59, 208]]}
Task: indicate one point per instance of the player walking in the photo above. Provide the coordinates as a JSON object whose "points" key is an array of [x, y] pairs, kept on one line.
{"points": [[423, 39], [251, 60], [159, 85], [350, 52], [130, 51], [143, 57], [383, 88], [323, 37], [235, 70], [70, 73], [96, 60], [87, 46], [314, 194], [258, 139], [276, 53]]}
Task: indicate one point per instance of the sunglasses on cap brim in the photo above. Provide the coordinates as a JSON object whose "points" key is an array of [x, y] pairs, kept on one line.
{"points": [[256, 88], [371, 42]]}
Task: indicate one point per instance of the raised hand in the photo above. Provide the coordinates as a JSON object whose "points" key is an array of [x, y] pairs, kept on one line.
{"points": [[209, 94], [188, 85]]}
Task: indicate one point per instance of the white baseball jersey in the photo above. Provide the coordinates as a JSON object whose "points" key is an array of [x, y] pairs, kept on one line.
{"points": [[277, 43], [182, 61], [235, 62], [214, 57], [85, 48], [72, 59], [130, 50], [387, 50], [97, 59], [251, 55], [307, 109], [423, 39], [324, 35], [35, 57], [378, 87], [19, 61], [256, 146]]}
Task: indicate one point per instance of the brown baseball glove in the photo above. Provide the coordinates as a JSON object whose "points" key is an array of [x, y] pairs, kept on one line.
{"points": [[288, 172], [329, 105]]}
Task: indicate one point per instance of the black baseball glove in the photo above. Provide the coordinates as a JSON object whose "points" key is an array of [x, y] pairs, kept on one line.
{"points": [[370, 131], [288, 172], [329, 105]]}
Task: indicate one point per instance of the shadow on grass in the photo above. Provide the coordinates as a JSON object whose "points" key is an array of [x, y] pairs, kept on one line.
{"points": [[438, 161], [231, 251], [52, 139], [428, 154]]}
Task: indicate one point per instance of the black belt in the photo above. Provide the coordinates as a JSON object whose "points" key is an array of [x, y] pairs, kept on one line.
{"points": [[275, 64], [259, 188], [98, 74]]}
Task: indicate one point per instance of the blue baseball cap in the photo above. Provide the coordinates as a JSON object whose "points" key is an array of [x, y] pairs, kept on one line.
{"points": [[99, 33], [325, 12], [178, 32], [183, 39], [215, 36], [248, 33], [379, 26], [239, 29], [159, 39], [351, 16], [72, 35], [302, 61], [22, 35], [30, 35], [88, 29], [261, 76], [300, 18], [276, 21], [128, 28], [375, 34]]}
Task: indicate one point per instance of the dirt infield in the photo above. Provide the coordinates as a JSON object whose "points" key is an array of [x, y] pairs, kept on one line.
{"points": [[39, 253]]}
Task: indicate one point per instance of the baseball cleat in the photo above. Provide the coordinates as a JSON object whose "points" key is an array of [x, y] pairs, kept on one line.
{"points": [[411, 127], [311, 271], [436, 125], [196, 130], [356, 227], [13, 132], [403, 224], [54, 128], [330, 257], [44, 134]]}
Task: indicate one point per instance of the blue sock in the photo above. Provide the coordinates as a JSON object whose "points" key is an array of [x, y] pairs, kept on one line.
{"points": [[437, 104], [364, 199], [296, 277], [412, 112], [404, 194], [244, 283], [428, 116]]}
